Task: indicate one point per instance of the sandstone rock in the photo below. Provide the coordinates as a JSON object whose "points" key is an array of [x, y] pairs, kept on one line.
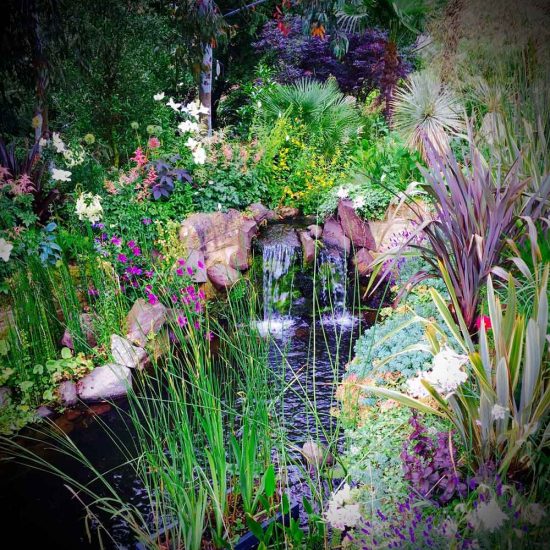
{"points": [[124, 353], [67, 393], [144, 319], [316, 231], [87, 323], [356, 229], [196, 261], [248, 231], [223, 276], [333, 235], [308, 247], [363, 261], [239, 260], [287, 212], [260, 213], [106, 382], [316, 454], [5, 396]]}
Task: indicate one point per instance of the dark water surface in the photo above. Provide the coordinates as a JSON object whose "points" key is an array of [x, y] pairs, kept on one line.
{"points": [[37, 509]]}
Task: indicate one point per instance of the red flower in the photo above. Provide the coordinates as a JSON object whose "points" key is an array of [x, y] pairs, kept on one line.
{"points": [[153, 143], [486, 321]]}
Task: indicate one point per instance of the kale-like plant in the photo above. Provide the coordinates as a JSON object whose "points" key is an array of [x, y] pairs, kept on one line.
{"points": [[167, 175]]}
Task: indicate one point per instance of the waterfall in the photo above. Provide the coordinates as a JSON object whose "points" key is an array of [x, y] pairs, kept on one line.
{"points": [[332, 270]]}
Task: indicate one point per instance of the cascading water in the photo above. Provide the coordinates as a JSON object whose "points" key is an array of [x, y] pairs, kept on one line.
{"points": [[279, 252], [332, 270]]}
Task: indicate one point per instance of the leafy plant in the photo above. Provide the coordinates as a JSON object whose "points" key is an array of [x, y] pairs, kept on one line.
{"points": [[166, 174], [426, 109]]}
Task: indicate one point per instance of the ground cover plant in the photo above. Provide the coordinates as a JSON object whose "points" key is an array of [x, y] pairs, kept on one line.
{"points": [[274, 275]]}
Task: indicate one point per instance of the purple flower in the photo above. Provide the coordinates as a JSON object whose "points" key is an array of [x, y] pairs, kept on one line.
{"points": [[146, 221], [181, 261], [179, 272], [122, 258], [197, 324], [190, 270], [131, 244], [116, 240], [152, 298], [136, 251], [182, 320], [149, 274], [210, 335], [93, 291], [200, 265], [134, 270]]}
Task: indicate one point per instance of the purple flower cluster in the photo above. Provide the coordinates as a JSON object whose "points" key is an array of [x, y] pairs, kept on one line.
{"points": [[298, 55], [430, 465]]}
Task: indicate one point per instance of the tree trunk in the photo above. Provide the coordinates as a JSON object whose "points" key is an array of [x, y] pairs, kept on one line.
{"points": [[205, 85]]}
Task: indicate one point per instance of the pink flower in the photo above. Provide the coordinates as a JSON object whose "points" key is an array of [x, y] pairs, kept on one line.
{"points": [[139, 158], [202, 295], [152, 299], [122, 258], [134, 270], [182, 320], [486, 320], [197, 324], [210, 335], [179, 272], [181, 261], [149, 274], [151, 178], [200, 265], [190, 270], [146, 221], [190, 289], [136, 251], [93, 291], [153, 143], [131, 244], [116, 240], [174, 298], [198, 307]]}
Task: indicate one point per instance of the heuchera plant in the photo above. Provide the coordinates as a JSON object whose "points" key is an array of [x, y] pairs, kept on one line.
{"points": [[431, 465]]}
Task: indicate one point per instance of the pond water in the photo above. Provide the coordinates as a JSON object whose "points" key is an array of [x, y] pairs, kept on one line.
{"points": [[309, 356]]}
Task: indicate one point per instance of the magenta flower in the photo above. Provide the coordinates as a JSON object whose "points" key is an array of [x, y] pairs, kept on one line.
{"points": [[149, 274], [136, 251], [182, 320], [200, 265], [152, 299], [122, 258], [146, 221], [93, 291], [202, 295], [134, 270], [210, 335], [131, 244], [190, 270], [148, 288], [190, 289], [116, 240], [179, 272], [198, 307], [174, 298], [181, 261], [197, 324]]}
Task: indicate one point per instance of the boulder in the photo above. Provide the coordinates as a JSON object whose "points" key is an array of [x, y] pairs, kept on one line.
{"points": [[333, 235], [144, 319], [87, 323], [316, 231], [223, 276], [362, 260], [248, 231], [287, 212], [196, 261], [124, 353], [106, 382], [5, 396], [308, 247], [67, 393], [239, 260], [356, 229], [258, 212]]}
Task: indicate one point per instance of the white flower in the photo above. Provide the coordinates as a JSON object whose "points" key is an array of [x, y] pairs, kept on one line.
{"points": [[358, 202], [498, 412], [171, 103], [342, 510], [532, 513], [415, 388], [74, 158], [58, 143], [195, 108], [88, 207], [192, 143], [61, 175], [219, 207], [259, 104], [199, 155], [5, 249], [487, 516], [342, 193], [159, 96], [188, 126], [43, 142]]}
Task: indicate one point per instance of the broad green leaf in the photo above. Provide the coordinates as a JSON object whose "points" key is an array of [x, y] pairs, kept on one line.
{"points": [[269, 481], [403, 399]]}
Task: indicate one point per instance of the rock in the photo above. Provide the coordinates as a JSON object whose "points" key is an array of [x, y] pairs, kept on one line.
{"points": [[44, 412], [287, 212], [196, 261], [144, 319], [124, 353], [67, 393], [356, 229], [239, 260], [333, 235], [248, 231], [5, 397], [363, 262], [106, 382], [316, 231], [87, 323], [223, 276], [316, 454], [308, 247], [259, 213]]}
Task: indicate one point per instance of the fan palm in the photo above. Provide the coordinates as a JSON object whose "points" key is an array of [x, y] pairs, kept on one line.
{"points": [[320, 106], [427, 110]]}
